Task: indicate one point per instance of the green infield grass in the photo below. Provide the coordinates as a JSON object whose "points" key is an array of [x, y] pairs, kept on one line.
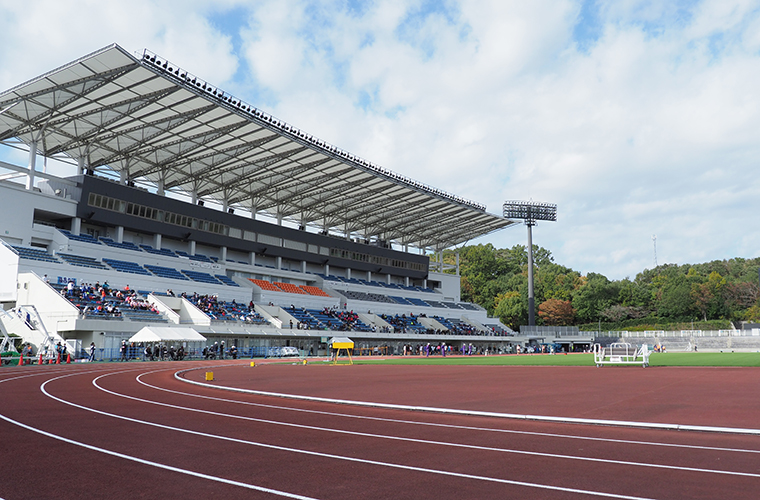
{"points": [[655, 360]]}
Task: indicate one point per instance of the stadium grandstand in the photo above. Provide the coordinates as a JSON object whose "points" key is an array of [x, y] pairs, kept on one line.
{"points": [[190, 208]]}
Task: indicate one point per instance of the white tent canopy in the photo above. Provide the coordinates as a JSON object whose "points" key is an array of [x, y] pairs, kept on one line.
{"points": [[167, 334]]}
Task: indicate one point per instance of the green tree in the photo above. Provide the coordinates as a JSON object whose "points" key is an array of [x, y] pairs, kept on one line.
{"points": [[512, 309], [708, 296], [596, 294]]}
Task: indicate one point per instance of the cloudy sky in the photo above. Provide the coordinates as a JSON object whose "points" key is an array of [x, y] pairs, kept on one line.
{"points": [[637, 118]]}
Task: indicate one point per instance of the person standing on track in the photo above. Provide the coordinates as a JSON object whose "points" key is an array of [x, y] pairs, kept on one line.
{"points": [[123, 351], [92, 352]]}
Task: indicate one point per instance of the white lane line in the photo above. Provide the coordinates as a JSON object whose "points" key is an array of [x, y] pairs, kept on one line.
{"points": [[449, 426], [451, 411], [133, 458], [424, 441], [156, 464], [340, 457]]}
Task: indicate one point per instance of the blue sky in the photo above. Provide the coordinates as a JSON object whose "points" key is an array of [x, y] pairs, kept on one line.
{"points": [[637, 118]]}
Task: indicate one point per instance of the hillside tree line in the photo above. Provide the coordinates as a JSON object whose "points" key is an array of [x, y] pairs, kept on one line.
{"points": [[709, 295]]}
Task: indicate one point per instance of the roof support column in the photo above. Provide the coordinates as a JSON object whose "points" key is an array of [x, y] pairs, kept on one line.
{"points": [[369, 275], [124, 173], [254, 209], [279, 218], [160, 187], [192, 247], [194, 197], [157, 241], [348, 273], [119, 234], [406, 280], [303, 266], [225, 205], [80, 165], [279, 262], [76, 226], [224, 254], [252, 258], [388, 279], [457, 254], [32, 165], [327, 269], [440, 260]]}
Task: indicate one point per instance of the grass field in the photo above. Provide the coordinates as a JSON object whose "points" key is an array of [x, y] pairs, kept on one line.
{"points": [[655, 360]]}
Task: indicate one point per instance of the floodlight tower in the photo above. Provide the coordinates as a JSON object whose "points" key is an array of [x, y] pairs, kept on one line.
{"points": [[530, 212]]}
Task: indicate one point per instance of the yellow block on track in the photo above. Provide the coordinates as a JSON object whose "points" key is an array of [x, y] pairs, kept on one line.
{"points": [[209, 376]]}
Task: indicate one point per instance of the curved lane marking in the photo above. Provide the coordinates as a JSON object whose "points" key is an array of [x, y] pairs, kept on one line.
{"points": [[133, 458], [517, 416], [423, 441], [307, 452], [449, 426]]}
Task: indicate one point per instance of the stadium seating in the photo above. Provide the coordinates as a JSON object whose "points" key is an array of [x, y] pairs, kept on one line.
{"points": [[126, 266], [313, 290], [265, 285], [403, 323], [124, 245], [201, 277], [82, 261], [35, 254], [399, 300], [166, 272], [226, 280], [289, 287], [306, 320], [197, 257], [418, 302], [85, 238], [164, 251]]}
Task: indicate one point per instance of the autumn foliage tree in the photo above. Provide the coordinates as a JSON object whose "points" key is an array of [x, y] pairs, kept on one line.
{"points": [[556, 312]]}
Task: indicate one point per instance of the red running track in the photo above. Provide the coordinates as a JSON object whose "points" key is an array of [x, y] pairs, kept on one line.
{"points": [[134, 430]]}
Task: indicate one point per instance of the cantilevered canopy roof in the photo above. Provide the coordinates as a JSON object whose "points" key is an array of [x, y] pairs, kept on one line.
{"points": [[147, 120]]}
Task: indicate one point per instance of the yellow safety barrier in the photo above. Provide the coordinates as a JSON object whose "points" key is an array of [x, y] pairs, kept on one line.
{"points": [[209, 376]]}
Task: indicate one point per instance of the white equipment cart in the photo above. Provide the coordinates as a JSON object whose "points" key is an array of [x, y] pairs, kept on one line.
{"points": [[621, 354]]}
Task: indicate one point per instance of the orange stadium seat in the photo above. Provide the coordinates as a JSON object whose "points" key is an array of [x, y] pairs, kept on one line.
{"points": [[312, 290], [289, 287], [265, 285]]}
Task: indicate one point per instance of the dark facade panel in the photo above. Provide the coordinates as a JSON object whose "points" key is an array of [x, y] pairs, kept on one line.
{"points": [[106, 217]]}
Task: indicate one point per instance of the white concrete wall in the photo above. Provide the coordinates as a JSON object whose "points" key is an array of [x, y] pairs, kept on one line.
{"points": [[16, 200], [450, 286], [8, 272], [179, 310], [49, 303]]}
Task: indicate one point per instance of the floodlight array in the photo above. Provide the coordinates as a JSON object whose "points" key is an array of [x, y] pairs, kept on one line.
{"points": [[229, 101], [530, 211]]}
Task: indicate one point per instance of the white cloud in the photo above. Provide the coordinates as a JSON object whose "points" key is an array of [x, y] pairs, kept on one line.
{"points": [[652, 128]]}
